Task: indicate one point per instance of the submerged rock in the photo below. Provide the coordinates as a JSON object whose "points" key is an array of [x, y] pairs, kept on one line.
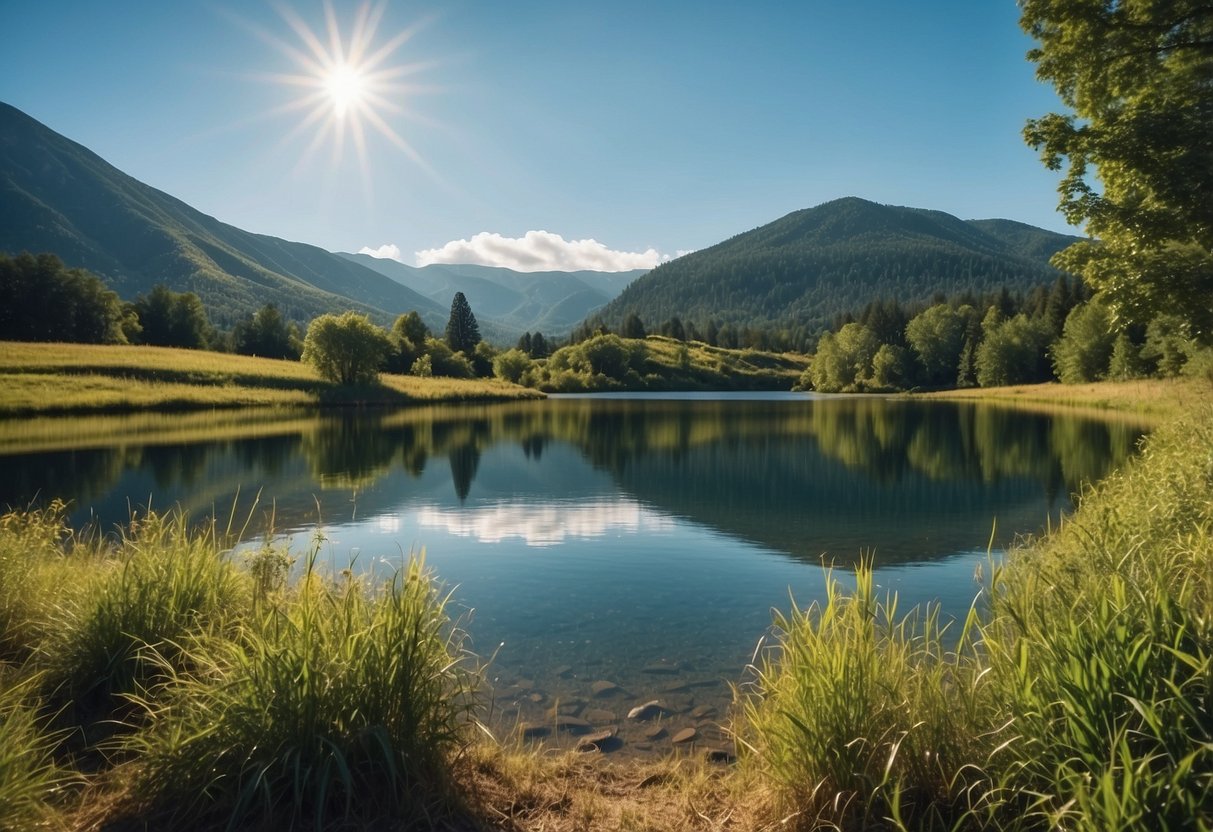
{"points": [[597, 715], [720, 755], [597, 741], [569, 707], [603, 689], [654, 732], [649, 710], [685, 735]]}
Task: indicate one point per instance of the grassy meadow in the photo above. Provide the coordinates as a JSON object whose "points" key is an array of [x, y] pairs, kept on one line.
{"points": [[158, 679], [1155, 399], [80, 378]]}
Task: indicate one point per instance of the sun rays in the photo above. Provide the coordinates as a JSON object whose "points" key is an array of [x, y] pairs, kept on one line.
{"points": [[348, 86]]}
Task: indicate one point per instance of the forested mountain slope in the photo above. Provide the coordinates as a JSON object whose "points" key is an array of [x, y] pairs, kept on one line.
{"points": [[57, 196], [803, 269]]}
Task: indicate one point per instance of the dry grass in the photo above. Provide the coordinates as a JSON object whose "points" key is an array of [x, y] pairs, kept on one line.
{"points": [[79, 378], [514, 790], [1157, 399]]}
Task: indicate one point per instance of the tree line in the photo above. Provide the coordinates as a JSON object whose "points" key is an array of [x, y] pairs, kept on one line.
{"points": [[1064, 333], [41, 299]]}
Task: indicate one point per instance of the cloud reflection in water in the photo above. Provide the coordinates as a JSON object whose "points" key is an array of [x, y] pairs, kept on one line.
{"points": [[545, 525]]}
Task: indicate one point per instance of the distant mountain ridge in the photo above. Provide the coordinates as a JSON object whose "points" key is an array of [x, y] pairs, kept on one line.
{"points": [[547, 302], [807, 267], [57, 196]]}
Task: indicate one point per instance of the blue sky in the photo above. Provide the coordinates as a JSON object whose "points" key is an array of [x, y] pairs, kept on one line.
{"points": [[650, 127]]}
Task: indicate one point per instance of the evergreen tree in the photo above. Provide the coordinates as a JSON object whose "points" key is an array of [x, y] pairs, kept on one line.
{"points": [[539, 346], [713, 333], [632, 327], [525, 343], [462, 331]]}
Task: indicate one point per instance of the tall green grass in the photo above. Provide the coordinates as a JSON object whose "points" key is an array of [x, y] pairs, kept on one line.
{"points": [[32, 544], [861, 715], [31, 780], [341, 703], [1081, 696], [160, 584]]}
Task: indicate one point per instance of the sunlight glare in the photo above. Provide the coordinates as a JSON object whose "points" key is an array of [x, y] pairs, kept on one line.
{"points": [[346, 87], [346, 83]]}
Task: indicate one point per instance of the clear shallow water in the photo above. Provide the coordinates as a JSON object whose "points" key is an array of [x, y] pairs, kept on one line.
{"points": [[637, 540]]}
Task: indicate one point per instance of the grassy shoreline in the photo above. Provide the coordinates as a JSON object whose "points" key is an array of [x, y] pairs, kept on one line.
{"points": [[1080, 699], [1156, 399], [85, 378]]}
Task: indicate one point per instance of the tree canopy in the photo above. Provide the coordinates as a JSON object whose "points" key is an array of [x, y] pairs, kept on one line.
{"points": [[43, 300], [346, 348], [266, 334], [1137, 76], [173, 319]]}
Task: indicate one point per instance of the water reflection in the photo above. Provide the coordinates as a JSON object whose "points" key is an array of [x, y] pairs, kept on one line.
{"points": [[543, 525], [597, 538], [807, 478]]}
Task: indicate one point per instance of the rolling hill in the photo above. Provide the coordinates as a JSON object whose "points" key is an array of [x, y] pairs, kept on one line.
{"points": [[802, 270], [547, 302]]}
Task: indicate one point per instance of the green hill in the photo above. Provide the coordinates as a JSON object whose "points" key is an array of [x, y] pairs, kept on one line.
{"points": [[57, 196], [802, 270]]}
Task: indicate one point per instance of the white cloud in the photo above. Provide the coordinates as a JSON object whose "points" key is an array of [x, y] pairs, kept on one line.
{"points": [[545, 525], [387, 251], [538, 251]]}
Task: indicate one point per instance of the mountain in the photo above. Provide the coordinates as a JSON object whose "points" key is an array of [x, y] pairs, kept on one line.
{"points": [[57, 196], [804, 269], [547, 302]]}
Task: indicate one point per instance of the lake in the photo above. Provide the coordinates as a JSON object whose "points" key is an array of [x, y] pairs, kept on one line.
{"points": [[636, 540]]}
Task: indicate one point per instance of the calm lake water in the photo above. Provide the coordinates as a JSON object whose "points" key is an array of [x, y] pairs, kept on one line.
{"points": [[635, 540]]}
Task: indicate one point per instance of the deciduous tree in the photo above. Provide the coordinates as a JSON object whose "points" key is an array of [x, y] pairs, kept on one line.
{"points": [[346, 348], [1137, 77], [1085, 347]]}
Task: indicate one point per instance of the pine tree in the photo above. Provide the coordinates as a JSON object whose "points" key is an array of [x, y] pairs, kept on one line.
{"points": [[462, 331], [632, 327], [539, 346]]}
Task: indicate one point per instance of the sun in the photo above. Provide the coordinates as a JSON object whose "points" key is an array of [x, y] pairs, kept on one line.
{"points": [[348, 86]]}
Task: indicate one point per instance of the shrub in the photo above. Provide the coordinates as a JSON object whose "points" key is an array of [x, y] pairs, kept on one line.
{"points": [[511, 365]]}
